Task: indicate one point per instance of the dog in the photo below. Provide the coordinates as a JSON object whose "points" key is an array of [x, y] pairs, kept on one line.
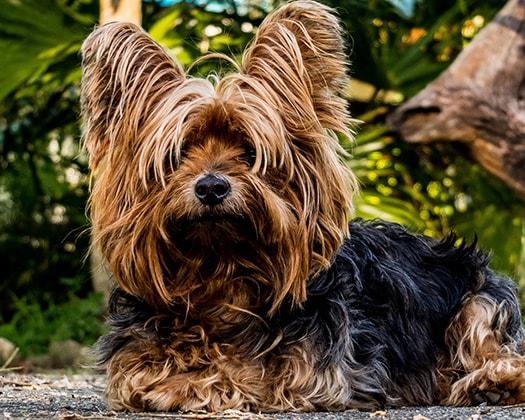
{"points": [[222, 206]]}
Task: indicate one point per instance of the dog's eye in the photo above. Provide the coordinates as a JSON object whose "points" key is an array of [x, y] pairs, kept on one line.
{"points": [[171, 161], [249, 155]]}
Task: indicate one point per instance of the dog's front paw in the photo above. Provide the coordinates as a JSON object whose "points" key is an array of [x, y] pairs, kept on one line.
{"points": [[490, 397]]}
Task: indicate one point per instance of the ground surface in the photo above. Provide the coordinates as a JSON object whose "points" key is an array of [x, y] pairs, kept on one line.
{"points": [[76, 397]]}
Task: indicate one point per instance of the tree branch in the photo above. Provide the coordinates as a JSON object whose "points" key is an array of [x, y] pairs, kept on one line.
{"points": [[479, 100]]}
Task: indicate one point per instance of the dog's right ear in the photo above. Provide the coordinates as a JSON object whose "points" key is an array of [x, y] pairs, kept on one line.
{"points": [[298, 56], [124, 74]]}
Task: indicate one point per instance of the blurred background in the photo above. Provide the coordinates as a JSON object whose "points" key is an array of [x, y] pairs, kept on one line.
{"points": [[396, 48]]}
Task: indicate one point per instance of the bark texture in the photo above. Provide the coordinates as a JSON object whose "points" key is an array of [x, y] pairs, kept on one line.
{"points": [[479, 100]]}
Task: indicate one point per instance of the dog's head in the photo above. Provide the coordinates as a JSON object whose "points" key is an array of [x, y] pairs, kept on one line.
{"points": [[203, 186]]}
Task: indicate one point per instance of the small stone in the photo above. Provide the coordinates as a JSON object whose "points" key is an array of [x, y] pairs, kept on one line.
{"points": [[7, 350]]}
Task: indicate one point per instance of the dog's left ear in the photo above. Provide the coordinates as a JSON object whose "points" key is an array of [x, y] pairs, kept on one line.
{"points": [[299, 57], [125, 73]]}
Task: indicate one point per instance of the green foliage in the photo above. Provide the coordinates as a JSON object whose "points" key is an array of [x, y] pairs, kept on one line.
{"points": [[37, 38], [391, 50], [43, 187], [43, 176], [432, 189], [191, 31], [446, 192], [34, 326]]}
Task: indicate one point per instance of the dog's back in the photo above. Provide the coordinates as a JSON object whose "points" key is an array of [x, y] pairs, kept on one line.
{"points": [[429, 316]]}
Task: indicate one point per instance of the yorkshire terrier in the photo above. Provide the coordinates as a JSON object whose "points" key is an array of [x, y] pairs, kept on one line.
{"points": [[222, 208]]}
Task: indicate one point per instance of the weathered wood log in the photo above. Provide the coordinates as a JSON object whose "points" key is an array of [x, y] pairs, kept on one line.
{"points": [[479, 100]]}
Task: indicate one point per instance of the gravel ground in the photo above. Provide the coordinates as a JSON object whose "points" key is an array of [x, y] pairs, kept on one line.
{"points": [[71, 397]]}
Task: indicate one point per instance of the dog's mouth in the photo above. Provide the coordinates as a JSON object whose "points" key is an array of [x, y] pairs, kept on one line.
{"points": [[217, 220], [211, 219], [214, 229]]}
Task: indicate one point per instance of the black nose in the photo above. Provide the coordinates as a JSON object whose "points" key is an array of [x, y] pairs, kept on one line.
{"points": [[212, 189]]}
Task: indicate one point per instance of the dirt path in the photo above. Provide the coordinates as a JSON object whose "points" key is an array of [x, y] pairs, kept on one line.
{"points": [[76, 397]]}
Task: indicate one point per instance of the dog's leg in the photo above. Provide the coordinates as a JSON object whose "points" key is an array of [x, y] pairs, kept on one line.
{"points": [[162, 378], [483, 360]]}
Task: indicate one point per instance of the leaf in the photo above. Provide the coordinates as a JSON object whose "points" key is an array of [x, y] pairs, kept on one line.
{"points": [[165, 24], [34, 35], [371, 205]]}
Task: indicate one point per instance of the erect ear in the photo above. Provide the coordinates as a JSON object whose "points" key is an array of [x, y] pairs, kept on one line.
{"points": [[298, 55], [125, 73]]}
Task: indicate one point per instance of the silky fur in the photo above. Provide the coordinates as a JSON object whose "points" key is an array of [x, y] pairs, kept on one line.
{"points": [[267, 299]]}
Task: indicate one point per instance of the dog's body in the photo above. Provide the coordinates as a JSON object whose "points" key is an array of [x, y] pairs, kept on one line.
{"points": [[222, 211], [397, 319]]}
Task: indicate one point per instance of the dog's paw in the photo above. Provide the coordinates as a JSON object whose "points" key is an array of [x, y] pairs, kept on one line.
{"points": [[491, 397]]}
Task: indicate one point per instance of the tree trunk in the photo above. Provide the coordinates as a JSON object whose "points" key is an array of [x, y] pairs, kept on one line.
{"points": [[479, 100], [121, 11]]}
